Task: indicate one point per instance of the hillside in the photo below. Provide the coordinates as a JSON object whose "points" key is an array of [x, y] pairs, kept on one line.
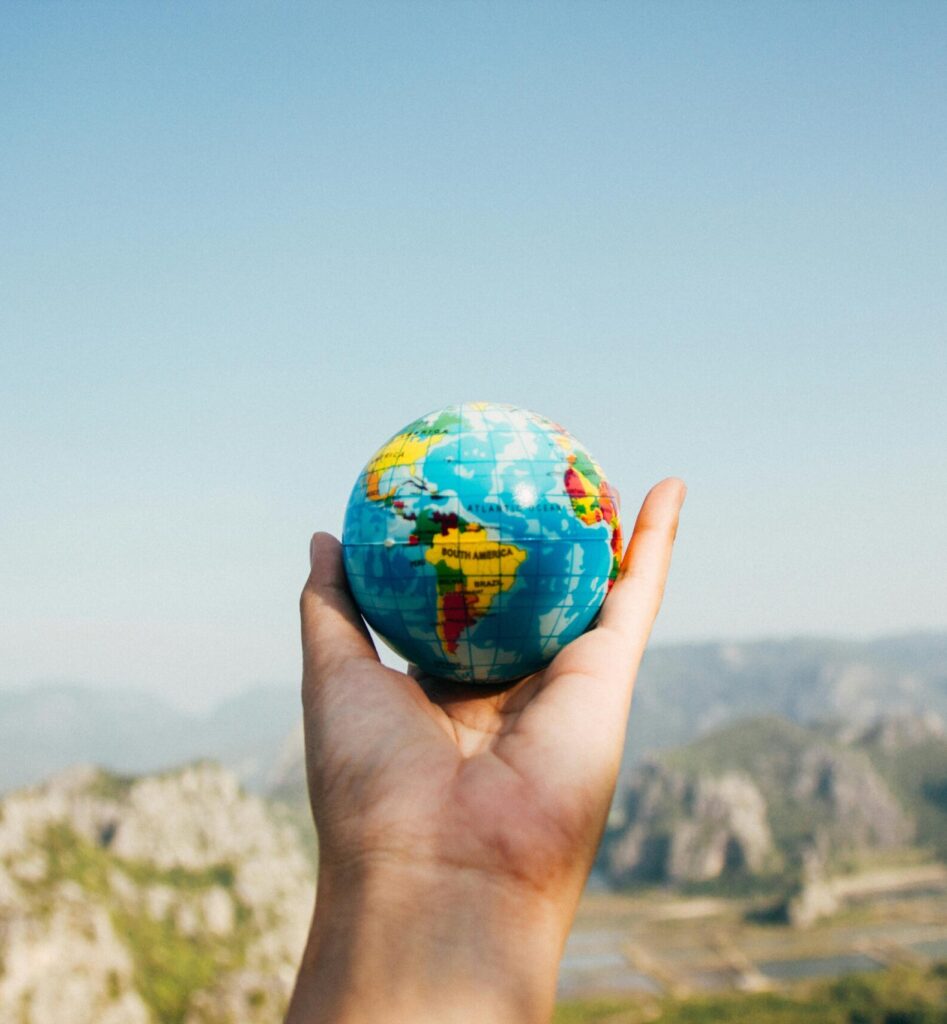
{"points": [[45, 729], [686, 690], [911, 755], [683, 691], [170, 899], [769, 799], [179, 899]]}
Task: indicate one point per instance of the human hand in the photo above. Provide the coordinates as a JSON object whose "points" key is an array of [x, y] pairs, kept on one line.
{"points": [[458, 824]]}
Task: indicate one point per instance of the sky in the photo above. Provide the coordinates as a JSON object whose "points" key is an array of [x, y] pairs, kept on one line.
{"points": [[243, 244]]}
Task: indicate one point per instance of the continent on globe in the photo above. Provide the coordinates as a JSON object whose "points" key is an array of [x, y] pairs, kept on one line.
{"points": [[404, 449], [593, 501], [472, 569], [480, 540]]}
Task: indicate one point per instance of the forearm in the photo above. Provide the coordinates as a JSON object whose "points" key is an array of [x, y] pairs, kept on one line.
{"points": [[421, 945]]}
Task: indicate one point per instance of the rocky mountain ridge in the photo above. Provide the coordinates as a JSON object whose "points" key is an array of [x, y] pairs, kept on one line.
{"points": [[766, 798], [688, 690], [48, 728], [683, 691], [171, 899], [180, 899]]}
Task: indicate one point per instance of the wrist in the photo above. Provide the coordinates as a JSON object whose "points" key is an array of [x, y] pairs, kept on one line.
{"points": [[421, 942]]}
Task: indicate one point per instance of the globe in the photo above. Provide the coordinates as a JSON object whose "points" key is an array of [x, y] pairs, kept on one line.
{"points": [[480, 540]]}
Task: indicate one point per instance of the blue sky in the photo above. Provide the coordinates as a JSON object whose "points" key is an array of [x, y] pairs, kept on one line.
{"points": [[245, 243]]}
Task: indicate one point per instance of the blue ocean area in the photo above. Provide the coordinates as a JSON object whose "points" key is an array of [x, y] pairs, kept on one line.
{"points": [[511, 482]]}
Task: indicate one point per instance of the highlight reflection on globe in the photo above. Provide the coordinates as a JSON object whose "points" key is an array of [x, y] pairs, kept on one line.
{"points": [[480, 540]]}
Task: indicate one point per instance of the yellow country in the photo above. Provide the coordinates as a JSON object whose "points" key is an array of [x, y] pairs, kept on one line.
{"points": [[401, 450], [489, 567]]}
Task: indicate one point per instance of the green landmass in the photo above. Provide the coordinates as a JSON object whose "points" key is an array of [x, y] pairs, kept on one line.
{"points": [[847, 794], [586, 467], [767, 750], [900, 995], [917, 774], [429, 524]]}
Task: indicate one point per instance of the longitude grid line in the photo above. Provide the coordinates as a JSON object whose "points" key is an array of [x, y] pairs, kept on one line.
{"points": [[503, 418], [445, 656], [499, 597], [516, 432], [399, 464], [389, 473], [511, 423], [562, 606], [466, 640], [537, 547], [542, 542]]}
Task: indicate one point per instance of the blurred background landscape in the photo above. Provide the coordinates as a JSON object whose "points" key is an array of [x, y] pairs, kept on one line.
{"points": [[780, 819], [244, 244]]}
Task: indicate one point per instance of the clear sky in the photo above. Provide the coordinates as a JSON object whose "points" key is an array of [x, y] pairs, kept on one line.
{"points": [[242, 244]]}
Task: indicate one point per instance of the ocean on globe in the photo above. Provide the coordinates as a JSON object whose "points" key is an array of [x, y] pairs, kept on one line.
{"points": [[480, 540]]}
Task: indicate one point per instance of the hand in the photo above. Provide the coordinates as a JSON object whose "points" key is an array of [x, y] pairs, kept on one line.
{"points": [[458, 824]]}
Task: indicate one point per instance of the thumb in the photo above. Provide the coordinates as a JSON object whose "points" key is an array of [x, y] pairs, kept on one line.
{"points": [[333, 631]]}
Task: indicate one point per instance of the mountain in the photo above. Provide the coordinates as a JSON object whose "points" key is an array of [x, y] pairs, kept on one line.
{"points": [[167, 899], [44, 729], [910, 754], [683, 691], [769, 799], [689, 689]]}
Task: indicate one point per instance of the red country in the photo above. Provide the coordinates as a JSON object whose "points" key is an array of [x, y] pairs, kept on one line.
{"points": [[457, 616]]}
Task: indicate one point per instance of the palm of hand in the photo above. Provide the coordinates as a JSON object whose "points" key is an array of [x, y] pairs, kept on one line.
{"points": [[511, 783], [455, 776]]}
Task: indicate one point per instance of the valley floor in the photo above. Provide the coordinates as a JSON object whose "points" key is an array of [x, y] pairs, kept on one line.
{"points": [[657, 945]]}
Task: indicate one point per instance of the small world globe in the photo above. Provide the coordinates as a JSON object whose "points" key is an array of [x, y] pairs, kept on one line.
{"points": [[480, 540]]}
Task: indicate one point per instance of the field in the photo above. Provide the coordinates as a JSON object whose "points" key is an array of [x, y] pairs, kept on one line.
{"points": [[897, 995], [653, 956]]}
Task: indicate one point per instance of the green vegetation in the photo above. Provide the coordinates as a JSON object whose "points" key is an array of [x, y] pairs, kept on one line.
{"points": [[768, 750], [71, 857], [886, 783], [594, 1011], [169, 965], [178, 878], [901, 995], [738, 747], [762, 1008], [917, 774], [111, 786]]}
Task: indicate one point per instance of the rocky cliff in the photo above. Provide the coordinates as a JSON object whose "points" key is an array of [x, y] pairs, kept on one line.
{"points": [[684, 829], [766, 797], [171, 899]]}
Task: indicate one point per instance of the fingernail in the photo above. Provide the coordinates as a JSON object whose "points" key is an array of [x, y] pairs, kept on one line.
{"points": [[312, 553]]}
